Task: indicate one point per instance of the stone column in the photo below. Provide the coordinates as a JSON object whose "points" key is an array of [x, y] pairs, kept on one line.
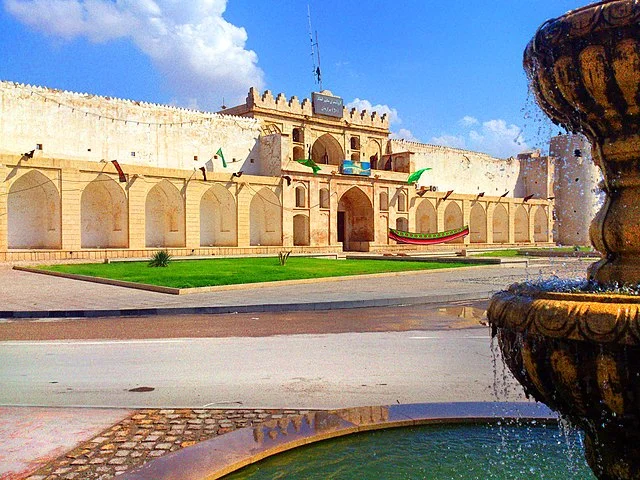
{"points": [[243, 201], [137, 191], [466, 217], [4, 225], [71, 193], [193, 193]]}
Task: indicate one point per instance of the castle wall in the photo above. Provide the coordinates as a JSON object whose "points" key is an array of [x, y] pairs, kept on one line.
{"points": [[575, 188], [94, 128], [461, 170]]}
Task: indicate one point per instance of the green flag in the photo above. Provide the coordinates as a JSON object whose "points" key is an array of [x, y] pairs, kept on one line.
{"points": [[415, 176], [307, 162], [219, 152]]}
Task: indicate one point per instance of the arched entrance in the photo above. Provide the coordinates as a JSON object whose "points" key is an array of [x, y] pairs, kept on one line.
{"points": [[521, 225], [164, 216], [218, 218], [327, 150], [426, 217], [453, 219], [540, 225], [500, 224], [355, 221], [300, 230], [104, 215], [478, 224], [33, 211], [265, 219]]}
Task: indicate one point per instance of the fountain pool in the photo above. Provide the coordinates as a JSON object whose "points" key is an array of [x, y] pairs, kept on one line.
{"points": [[466, 452]]}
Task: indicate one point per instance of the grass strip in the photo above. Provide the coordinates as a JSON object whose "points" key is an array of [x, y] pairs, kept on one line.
{"points": [[231, 271]]}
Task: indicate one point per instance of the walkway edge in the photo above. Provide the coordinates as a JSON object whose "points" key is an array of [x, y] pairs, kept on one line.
{"points": [[258, 308]]}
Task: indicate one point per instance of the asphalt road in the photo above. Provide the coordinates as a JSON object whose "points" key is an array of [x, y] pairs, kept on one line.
{"points": [[297, 371]]}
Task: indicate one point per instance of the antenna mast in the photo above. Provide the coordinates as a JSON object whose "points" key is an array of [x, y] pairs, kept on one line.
{"points": [[315, 50]]}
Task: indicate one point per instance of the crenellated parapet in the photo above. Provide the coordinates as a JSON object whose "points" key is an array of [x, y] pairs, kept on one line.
{"points": [[293, 106]]}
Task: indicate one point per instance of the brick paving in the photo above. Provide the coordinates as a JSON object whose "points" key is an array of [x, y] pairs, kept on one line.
{"points": [[146, 435]]}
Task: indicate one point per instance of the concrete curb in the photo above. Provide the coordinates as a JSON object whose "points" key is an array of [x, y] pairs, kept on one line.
{"points": [[259, 308]]}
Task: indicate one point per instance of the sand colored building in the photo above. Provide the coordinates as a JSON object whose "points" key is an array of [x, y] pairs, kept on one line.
{"points": [[228, 182]]}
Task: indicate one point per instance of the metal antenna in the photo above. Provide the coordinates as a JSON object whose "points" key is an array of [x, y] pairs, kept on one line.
{"points": [[315, 50]]}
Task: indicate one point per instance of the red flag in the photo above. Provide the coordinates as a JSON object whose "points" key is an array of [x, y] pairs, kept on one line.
{"points": [[504, 194], [447, 195], [480, 195], [121, 176], [204, 173], [528, 197]]}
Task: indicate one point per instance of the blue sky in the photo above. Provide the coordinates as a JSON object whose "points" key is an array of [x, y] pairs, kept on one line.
{"points": [[449, 72]]}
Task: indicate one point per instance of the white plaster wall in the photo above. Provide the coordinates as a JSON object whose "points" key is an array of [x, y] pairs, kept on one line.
{"points": [[90, 127], [575, 188], [461, 170]]}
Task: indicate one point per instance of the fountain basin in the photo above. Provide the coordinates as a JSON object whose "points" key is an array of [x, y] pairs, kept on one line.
{"points": [[227, 453], [579, 353]]}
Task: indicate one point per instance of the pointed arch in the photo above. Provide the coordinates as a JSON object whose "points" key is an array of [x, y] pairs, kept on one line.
{"points": [[33, 211], [164, 216], [426, 217], [218, 225], [541, 225], [104, 214], [521, 225], [327, 150], [265, 218], [453, 219], [355, 220], [478, 224], [500, 224]]}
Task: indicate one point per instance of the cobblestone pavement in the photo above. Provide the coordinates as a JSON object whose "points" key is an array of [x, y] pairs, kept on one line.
{"points": [[149, 434]]}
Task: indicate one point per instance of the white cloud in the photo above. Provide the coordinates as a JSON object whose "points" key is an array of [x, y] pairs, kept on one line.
{"points": [[494, 137], [404, 134], [202, 55], [381, 109], [449, 141], [468, 121]]}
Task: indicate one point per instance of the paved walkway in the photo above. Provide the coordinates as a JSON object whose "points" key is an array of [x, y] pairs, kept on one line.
{"points": [[25, 292]]}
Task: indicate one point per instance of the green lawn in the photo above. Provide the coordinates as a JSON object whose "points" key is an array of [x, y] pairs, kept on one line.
{"points": [[229, 271], [499, 253], [516, 252]]}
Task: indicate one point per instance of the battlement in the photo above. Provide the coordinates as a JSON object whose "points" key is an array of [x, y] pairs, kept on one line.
{"points": [[400, 145], [294, 106], [117, 109]]}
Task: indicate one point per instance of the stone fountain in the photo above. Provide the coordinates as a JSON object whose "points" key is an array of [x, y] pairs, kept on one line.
{"points": [[576, 351]]}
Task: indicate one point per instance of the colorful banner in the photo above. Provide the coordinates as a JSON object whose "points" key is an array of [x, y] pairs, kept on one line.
{"points": [[351, 167]]}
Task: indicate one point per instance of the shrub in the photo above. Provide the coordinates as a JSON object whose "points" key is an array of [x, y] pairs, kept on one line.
{"points": [[160, 259], [283, 257]]}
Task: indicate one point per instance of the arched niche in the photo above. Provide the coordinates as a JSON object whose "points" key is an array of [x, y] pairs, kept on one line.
{"points": [[327, 150], [265, 218], [541, 225], [301, 230], [402, 223], [373, 153], [33, 213], [500, 224], [478, 224], [521, 225], [324, 198], [104, 214], [218, 225], [164, 216], [426, 217], [453, 219], [355, 220], [298, 153], [301, 196]]}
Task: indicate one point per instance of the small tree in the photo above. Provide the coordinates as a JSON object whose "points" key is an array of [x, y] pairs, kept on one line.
{"points": [[160, 259], [283, 257]]}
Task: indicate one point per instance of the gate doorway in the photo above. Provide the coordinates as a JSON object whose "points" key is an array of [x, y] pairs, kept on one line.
{"points": [[355, 221]]}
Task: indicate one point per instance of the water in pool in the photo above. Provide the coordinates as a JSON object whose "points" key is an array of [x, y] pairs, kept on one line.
{"points": [[466, 452]]}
